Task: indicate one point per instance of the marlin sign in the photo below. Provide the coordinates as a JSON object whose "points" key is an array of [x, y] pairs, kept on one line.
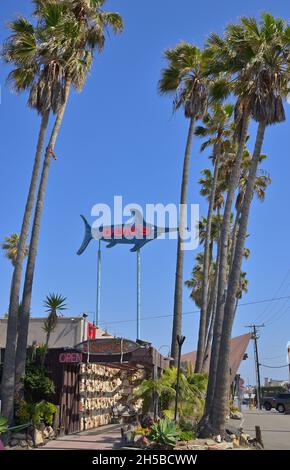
{"points": [[136, 233]]}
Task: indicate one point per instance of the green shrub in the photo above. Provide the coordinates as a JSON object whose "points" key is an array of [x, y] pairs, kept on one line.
{"points": [[23, 412], [37, 385], [35, 412], [3, 424], [164, 432], [186, 425], [46, 411], [186, 436]]}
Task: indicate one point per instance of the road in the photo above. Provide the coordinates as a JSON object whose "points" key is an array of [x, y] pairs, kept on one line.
{"points": [[275, 428]]}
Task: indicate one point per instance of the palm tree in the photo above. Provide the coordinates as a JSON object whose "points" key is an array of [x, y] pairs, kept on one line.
{"points": [[224, 58], [217, 126], [55, 304], [11, 246], [261, 184], [263, 59], [21, 50], [184, 78], [81, 27]]}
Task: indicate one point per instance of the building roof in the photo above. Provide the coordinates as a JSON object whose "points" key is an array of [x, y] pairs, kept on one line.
{"points": [[68, 332], [238, 348]]}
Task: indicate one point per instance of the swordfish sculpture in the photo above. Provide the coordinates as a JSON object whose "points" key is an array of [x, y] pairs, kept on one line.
{"points": [[137, 233]]}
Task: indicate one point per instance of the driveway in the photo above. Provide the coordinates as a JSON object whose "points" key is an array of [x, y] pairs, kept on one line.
{"points": [[275, 428]]}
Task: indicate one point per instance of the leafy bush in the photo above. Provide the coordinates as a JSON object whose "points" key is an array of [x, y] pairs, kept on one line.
{"points": [[3, 424], [23, 412], [186, 436], [37, 385], [35, 412], [46, 412], [191, 393], [186, 425], [142, 431], [164, 432]]}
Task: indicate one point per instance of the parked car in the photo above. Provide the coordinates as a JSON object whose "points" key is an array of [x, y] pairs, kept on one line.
{"points": [[279, 401]]}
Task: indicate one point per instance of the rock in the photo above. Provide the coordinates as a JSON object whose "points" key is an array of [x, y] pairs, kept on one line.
{"points": [[237, 415], [244, 439], [30, 442], [127, 434], [51, 432], [236, 443], [13, 442], [23, 443], [232, 430], [45, 433], [38, 438], [218, 439], [142, 441]]}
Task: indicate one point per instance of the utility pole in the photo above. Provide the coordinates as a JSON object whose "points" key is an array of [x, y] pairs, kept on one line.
{"points": [[255, 337]]}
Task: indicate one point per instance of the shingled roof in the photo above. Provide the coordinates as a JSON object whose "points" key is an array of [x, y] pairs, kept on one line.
{"points": [[239, 346]]}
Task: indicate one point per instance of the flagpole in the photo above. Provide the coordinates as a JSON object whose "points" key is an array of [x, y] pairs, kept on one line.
{"points": [[98, 287], [138, 293]]}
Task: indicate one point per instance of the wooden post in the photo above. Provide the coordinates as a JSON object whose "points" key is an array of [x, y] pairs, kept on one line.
{"points": [[259, 436]]}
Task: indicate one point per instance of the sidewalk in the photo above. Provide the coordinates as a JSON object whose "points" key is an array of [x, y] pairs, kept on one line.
{"points": [[105, 438]]}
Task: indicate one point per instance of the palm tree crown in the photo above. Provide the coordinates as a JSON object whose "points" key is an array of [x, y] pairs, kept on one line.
{"points": [[184, 77], [10, 247]]}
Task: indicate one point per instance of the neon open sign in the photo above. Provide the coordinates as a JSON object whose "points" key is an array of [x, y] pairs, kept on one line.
{"points": [[70, 357]]}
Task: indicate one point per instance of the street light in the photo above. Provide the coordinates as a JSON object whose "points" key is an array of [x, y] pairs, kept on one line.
{"points": [[180, 341]]}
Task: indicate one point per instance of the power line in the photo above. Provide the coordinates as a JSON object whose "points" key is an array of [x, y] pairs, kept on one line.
{"points": [[152, 317], [273, 357], [276, 293], [274, 320], [272, 317], [274, 367]]}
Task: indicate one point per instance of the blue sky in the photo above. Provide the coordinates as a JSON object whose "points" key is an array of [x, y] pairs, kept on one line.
{"points": [[120, 138]]}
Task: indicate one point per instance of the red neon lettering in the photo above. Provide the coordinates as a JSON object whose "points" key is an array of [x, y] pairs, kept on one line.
{"points": [[107, 232]]}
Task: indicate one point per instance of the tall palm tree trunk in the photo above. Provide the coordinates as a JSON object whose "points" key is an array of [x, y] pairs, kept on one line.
{"points": [[177, 314], [206, 266], [7, 385], [222, 386], [29, 274], [205, 425], [211, 320], [234, 235]]}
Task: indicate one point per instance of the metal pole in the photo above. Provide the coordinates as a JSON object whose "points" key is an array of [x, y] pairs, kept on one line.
{"points": [[138, 293], [180, 341], [98, 287], [257, 368], [257, 363]]}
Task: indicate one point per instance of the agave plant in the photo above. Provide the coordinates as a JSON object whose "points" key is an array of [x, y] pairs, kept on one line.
{"points": [[164, 432]]}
